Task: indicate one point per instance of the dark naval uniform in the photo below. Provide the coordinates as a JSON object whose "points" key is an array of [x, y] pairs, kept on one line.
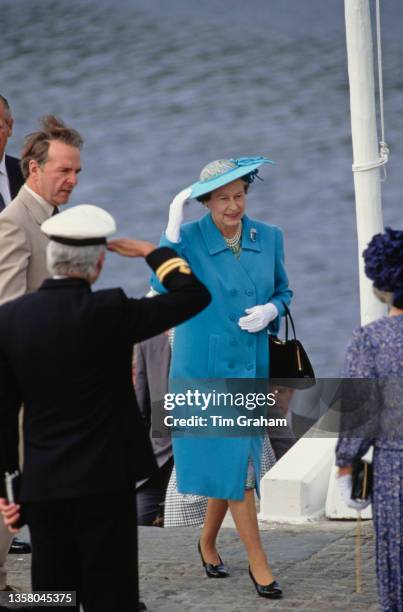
{"points": [[65, 353]]}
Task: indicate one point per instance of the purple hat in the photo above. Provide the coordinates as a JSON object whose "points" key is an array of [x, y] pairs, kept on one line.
{"points": [[384, 263]]}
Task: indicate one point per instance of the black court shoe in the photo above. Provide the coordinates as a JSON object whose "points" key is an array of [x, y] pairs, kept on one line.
{"points": [[213, 571], [271, 591], [19, 547]]}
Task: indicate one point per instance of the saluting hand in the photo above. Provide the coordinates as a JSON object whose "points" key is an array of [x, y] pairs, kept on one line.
{"points": [[130, 248], [11, 514]]}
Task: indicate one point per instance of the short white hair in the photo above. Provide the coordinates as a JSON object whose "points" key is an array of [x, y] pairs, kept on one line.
{"points": [[64, 260], [383, 296]]}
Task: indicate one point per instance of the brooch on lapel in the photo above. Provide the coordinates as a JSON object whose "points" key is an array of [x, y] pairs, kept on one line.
{"points": [[253, 234]]}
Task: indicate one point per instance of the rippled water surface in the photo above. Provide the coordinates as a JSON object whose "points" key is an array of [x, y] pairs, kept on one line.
{"points": [[160, 87]]}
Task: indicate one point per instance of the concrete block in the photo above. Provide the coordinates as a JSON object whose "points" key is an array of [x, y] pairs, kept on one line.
{"points": [[295, 489]]}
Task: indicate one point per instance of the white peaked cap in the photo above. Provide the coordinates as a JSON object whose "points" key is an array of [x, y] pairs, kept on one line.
{"points": [[82, 225]]}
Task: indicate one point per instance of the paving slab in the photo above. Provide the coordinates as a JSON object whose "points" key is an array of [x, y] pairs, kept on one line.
{"points": [[315, 563]]}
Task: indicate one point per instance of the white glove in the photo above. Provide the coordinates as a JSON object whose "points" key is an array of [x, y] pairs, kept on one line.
{"points": [[175, 218], [345, 483], [258, 317]]}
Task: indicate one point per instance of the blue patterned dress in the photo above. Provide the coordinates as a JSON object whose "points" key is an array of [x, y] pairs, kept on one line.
{"points": [[376, 351]]}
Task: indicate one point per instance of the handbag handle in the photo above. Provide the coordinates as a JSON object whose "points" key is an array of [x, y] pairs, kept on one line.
{"points": [[288, 316]]}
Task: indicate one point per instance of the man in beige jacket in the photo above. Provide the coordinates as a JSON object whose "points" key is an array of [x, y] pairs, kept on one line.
{"points": [[50, 163]]}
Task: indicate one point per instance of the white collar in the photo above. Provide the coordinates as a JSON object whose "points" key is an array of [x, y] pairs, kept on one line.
{"points": [[3, 168], [48, 207]]}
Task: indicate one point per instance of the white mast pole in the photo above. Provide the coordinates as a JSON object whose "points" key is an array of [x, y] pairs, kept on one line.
{"points": [[301, 488], [365, 142]]}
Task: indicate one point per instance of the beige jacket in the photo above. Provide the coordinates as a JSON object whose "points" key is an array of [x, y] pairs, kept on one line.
{"points": [[22, 246]]}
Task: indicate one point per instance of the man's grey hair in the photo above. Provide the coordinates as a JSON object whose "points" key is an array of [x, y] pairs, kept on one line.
{"points": [[65, 260]]}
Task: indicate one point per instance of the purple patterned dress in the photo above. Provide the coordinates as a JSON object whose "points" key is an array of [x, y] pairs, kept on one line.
{"points": [[376, 351]]}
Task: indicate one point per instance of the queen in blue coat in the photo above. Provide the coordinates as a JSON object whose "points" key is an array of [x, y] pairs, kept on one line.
{"points": [[241, 261]]}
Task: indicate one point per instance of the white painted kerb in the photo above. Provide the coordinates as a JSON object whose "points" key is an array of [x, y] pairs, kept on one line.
{"points": [[295, 489]]}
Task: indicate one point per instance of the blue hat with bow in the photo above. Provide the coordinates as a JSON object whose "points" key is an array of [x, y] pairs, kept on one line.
{"points": [[384, 263], [223, 171]]}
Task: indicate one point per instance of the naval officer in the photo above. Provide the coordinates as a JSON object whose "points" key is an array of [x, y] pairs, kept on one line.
{"points": [[65, 352]]}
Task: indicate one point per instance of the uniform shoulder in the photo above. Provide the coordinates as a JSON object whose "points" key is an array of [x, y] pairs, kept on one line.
{"points": [[106, 306], [8, 309], [109, 296]]}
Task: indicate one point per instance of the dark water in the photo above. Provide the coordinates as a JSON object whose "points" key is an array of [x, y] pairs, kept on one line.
{"points": [[160, 87]]}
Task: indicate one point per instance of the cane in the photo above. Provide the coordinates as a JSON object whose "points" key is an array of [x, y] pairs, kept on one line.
{"points": [[358, 554]]}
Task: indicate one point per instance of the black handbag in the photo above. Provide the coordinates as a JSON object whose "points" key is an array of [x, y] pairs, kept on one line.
{"points": [[362, 475], [289, 363]]}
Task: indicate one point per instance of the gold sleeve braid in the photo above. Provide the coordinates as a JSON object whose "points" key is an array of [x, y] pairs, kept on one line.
{"points": [[176, 263]]}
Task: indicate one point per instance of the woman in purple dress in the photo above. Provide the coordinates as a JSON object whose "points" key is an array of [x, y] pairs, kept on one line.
{"points": [[376, 352]]}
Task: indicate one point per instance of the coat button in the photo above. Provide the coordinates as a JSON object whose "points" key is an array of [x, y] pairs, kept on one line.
{"points": [[233, 343], [248, 291], [232, 317], [250, 342], [233, 292], [249, 366], [231, 365]]}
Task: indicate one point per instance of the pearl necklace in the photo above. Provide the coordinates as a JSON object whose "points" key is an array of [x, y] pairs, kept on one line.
{"points": [[233, 242]]}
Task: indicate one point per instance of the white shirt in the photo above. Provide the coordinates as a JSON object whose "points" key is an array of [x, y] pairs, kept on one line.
{"points": [[4, 183], [48, 207]]}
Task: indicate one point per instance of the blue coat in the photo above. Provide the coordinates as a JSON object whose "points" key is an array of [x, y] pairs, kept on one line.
{"points": [[212, 345]]}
